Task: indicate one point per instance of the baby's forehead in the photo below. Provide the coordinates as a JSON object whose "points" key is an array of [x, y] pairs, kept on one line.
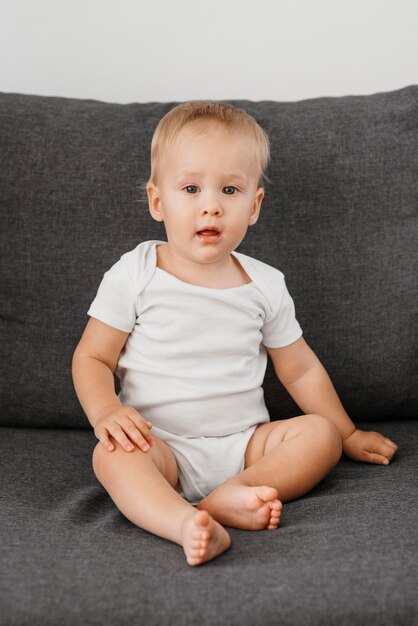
{"points": [[233, 141], [178, 155], [199, 127]]}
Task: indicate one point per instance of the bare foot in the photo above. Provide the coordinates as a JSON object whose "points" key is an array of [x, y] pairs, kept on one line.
{"points": [[203, 538], [242, 506]]}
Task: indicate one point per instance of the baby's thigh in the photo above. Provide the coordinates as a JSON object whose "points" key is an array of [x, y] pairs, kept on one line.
{"points": [[167, 461], [160, 454], [269, 435]]}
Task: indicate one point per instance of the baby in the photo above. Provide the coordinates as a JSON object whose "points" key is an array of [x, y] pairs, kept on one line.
{"points": [[187, 447]]}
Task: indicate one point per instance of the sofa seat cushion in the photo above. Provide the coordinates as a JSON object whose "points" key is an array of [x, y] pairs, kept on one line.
{"points": [[345, 553]]}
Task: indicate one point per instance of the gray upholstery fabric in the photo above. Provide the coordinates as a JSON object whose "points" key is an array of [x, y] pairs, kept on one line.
{"points": [[345, 554], [339, 219]]}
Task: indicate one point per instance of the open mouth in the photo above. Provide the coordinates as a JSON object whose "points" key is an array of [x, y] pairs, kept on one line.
{"points": [[209, 234]]}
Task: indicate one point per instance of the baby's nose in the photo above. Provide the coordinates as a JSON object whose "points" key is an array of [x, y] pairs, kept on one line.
{"points": [[211, 203], [212, 210]]}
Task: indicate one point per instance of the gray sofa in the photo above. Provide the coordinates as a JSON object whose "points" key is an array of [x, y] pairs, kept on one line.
{"points": [[340, 220]]}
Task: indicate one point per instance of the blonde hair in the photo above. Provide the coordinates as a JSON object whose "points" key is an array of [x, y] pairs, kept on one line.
{"points": [[233, 118]]}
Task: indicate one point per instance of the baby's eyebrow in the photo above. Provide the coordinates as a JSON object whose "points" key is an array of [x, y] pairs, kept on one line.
{"points": [[186, 174], [236, 177]]}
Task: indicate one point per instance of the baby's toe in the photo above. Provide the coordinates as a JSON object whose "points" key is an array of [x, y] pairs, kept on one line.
{"points": [[197, 549], [273, 522], [194, 560], [268, 494], [203, 538], [275, 512], [198, 534]]}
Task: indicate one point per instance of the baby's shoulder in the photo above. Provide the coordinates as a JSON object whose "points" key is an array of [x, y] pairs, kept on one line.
{"points": [[269, 280], [141, 259], [268, 274], [137, 266]]}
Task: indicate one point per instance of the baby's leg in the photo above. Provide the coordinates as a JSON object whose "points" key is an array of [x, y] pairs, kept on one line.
{"points": [[141, 484], [283, 461]]}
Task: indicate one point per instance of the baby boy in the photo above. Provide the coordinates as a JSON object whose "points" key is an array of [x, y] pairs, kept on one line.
{"points": [[187, 325]]}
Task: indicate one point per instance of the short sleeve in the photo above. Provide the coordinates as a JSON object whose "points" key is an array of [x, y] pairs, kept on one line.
{"points": [[115, 301], [281, 328]]}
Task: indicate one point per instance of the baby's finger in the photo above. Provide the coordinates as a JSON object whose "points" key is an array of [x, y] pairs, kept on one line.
{"points": [[386, 450], [104, 439], [378, 443], [378, 459], [119, 434], [140, 424], [137, 436], [137, 422], [146, 431], [391, 443]]}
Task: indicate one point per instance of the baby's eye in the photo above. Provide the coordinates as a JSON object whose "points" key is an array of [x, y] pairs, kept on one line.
{"points": [[228, 193]]}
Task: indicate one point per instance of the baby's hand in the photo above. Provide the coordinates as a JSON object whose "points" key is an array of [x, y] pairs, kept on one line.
{"points": [[370, 447], [123, 422]]}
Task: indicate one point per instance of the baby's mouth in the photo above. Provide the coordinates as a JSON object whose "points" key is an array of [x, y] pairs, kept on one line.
{"points": [[208, 232], [209, 235]]}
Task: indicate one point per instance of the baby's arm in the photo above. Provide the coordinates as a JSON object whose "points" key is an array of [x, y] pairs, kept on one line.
{"points": [[94, 362], [306, 380]]}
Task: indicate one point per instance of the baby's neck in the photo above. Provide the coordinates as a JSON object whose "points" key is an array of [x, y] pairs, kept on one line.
{"points": [[234, 276]]}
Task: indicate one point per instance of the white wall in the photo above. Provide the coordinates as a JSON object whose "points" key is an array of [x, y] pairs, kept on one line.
{"points": [[174, 50]]}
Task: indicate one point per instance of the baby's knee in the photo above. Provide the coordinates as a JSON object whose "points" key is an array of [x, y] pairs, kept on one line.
{"points": [[99, 457], [328, 434], [102, 457]]}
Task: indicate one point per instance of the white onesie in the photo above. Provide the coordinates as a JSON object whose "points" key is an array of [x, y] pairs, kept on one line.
{"points": [[195, 359]]}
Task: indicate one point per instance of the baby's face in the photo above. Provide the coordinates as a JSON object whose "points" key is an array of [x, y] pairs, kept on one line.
{"points": [[208, 178]]}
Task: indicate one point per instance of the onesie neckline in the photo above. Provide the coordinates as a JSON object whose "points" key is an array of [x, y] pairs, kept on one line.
{"points": [[183, 282]]}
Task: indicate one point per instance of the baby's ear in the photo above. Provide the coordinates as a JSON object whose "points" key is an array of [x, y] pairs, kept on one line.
{"points": [[154, 202], [259, 195]]}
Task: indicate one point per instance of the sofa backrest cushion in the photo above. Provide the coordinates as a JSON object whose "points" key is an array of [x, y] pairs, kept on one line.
{"points": [[339, 219]]}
